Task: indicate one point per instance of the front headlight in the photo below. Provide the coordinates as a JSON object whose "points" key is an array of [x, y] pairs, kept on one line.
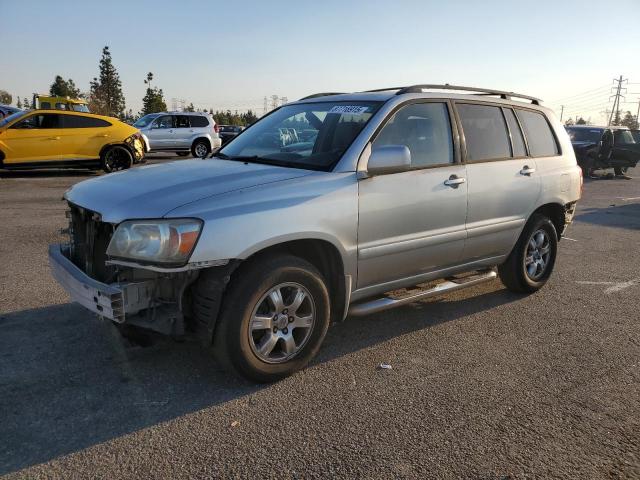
{"points": [[155, 241]]}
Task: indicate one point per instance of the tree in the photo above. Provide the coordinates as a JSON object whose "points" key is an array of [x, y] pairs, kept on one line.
{"points": [[153, 100], [64, 88], [629, 121], [25, 104], [5, 97], [105, 96], [19, 103], [190, 108], [581, 121]]}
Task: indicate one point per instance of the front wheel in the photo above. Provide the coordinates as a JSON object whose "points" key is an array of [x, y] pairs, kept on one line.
{"points": [[200, 148], [531, 261], [274, 317], [116, 158]]}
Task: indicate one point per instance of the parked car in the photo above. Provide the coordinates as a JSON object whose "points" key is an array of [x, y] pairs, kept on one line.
{"points": [[182, 133], [46, 138], [604, 147], [257, 249], [6, 110], [229, 132]]}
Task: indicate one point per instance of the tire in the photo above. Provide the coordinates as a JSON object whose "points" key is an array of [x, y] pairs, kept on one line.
{"points": [[619, 171], [182, 154], [528, 267], [261, 350], [200, 148], [116, 158]]}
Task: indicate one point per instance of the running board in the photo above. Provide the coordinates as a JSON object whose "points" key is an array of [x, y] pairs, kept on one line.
{"points": [[385, 303]]}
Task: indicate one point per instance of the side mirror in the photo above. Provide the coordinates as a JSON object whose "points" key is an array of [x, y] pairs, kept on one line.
{"points": [[389, 159]]}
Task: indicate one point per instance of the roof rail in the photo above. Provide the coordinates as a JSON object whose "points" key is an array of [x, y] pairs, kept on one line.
{"points": [[322, 94], [478, 91]]}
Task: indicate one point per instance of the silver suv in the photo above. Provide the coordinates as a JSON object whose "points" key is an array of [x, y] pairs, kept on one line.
{"points": [[318, 211], [180, 132]]}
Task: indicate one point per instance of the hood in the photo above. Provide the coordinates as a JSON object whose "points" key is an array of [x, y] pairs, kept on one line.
{"points": [[152, 191]]}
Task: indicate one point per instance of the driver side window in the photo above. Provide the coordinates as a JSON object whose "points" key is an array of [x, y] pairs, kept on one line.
{"points": [[425, 129]]}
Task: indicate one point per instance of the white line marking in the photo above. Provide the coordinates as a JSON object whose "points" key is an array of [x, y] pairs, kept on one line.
{"points": [[614, 287], [570, 239]]}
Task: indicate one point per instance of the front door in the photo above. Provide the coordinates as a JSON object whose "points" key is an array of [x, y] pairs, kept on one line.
{"points": [[35, 138], [160, 135], [413, 222]]}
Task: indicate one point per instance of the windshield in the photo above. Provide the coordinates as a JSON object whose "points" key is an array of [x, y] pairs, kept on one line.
{"points": [[11, 118], [79, 107], [310, 135], [144, 121], [585, 134]]}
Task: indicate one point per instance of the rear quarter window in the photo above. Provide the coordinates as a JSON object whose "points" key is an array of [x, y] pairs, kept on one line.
{"points": [[198, 121], [540, 138]]}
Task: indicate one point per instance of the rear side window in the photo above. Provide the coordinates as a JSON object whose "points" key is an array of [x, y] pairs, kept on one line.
{"points": [[182, 121], [425, 129], [541, 141], [517, 141], [198, 121], [73, 121], [485, 132]]}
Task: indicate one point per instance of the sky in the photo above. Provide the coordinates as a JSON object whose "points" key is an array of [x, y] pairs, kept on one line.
{"points": [[231, 54]]}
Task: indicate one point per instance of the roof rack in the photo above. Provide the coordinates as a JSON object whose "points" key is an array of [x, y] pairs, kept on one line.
{"points": [[322, 94], [446, 86]]}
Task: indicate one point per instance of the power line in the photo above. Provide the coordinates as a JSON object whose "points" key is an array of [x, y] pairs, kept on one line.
{"points": [[562, 99]]}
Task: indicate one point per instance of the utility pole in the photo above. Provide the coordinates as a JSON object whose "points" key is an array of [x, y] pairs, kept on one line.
{"points": [[274, 102], [561, 111], [616, 101]]}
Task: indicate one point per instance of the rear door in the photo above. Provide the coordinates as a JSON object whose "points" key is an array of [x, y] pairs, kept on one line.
{"points": [[502, 181], [184, 131], [84, 136], [160, 134], [413, 222], [35, 138]]}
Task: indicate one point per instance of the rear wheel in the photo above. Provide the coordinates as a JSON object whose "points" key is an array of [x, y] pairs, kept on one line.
{"points": [[116, 158], [200, 148], [531, 261], [274, 317]]}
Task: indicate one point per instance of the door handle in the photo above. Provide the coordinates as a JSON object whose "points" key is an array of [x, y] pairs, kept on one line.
{"points": [[527, 171], [454, 181], [54, 138]]}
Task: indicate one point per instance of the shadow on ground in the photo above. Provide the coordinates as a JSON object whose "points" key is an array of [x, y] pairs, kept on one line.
{"points": [[69, 380], [618, 216], [46, 173]]}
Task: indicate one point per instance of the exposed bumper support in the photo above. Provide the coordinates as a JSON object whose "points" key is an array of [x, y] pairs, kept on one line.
{"points": [[114, 301]]}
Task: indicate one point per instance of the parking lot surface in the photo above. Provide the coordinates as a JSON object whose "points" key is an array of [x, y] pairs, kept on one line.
{"points": [[484, 383]]}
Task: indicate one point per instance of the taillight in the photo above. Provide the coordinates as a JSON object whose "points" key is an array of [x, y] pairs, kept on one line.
{"points": [[581, 182], [216, 128]]}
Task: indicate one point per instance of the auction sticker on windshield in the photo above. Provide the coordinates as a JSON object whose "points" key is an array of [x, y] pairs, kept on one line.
{"points": [[352, 109]]}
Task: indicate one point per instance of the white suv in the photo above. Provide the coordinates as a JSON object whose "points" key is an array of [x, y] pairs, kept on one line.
{"points": [[180, 132]]}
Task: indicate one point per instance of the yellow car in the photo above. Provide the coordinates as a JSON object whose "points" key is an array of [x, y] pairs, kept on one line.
{"points": [[54, 139]]}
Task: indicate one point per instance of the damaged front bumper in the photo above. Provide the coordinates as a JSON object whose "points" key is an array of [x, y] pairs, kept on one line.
{"points": [[115, 301]]}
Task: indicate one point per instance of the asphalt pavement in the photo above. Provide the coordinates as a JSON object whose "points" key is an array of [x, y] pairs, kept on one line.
{"points": [[484, 384]]}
